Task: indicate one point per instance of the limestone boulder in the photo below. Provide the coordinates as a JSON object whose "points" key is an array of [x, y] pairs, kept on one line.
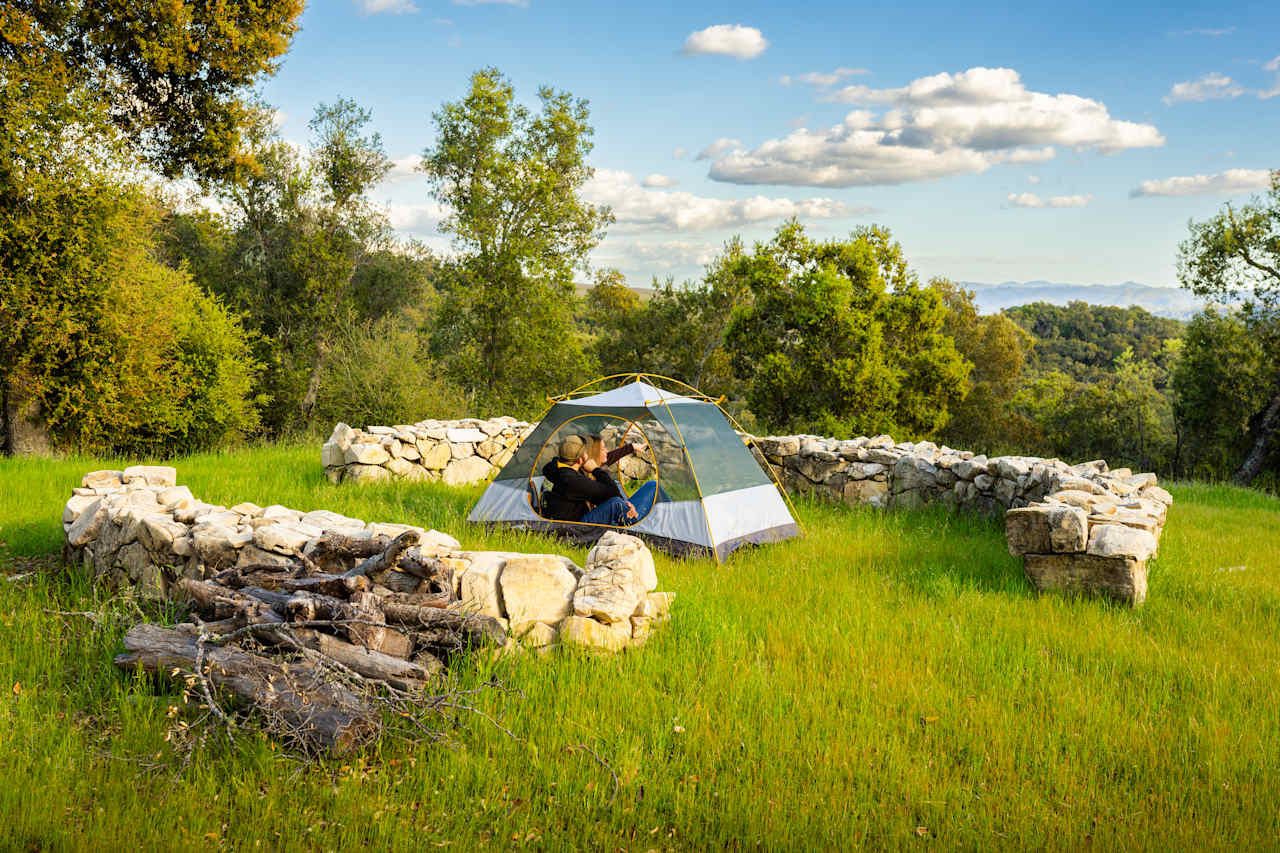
{"points": [[1156, 493], [1118, 540], [152, 475], [342, 435], [581, 632], [1046, 529], [1123, 579], [478, 589], [367, 473], [175, 497], [872, 492], [158, 531], [87, 524], [280, 539], [434, 454], [103, 480], [465, 471], [537, 588], [365, 453], [332, 455], [252, 555], [468, 435], [618, 575]]}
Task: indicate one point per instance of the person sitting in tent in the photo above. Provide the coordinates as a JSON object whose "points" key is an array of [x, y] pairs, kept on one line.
{"points": [[582, 490]]}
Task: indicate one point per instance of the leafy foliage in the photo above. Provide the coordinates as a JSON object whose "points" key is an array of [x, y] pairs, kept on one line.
{"points": [[1235, 256], [510, 179], [825, 344]]}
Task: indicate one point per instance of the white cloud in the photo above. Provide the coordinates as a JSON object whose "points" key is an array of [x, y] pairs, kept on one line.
{"points": [[720, 146], [934, 127], [1033, 200], [1220, 183], [417, 219], [1273, 65], [490, 2], [1210, 87], [1033, 179], [663, 255], [638, 208], [1224, 31], [656, 180], [392, 7], [822, 79], [404, 169], [680, 153], [726, 40]]}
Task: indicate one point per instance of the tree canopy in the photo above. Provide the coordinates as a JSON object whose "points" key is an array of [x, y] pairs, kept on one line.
{"points": [[510, 180], [1235, 257]]}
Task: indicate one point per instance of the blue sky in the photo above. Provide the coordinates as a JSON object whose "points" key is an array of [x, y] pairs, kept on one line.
{"points": [[1068, 142]]}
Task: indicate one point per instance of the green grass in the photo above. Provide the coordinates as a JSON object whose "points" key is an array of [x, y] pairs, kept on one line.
{"points": [[888, 680]]}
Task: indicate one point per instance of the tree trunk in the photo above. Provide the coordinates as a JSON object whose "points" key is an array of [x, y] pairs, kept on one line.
{"points": [[1268, 424], [297, 699], [313, 384]]}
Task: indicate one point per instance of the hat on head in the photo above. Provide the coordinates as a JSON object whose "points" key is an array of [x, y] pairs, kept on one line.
{"points": [[571, 448]]}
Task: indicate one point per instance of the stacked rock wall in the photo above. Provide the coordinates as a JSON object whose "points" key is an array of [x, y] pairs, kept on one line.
{"points": [[1080, 528], [455, 452], [137, 529]]}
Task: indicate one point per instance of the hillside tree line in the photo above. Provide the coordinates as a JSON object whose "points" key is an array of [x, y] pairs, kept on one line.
{"points": [[140, 323]]}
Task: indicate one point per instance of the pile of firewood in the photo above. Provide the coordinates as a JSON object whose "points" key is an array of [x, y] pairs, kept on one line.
{"points": [[323, 647]]}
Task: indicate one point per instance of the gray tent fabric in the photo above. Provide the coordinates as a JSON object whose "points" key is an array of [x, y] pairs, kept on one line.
{"points": [[719, 496]]}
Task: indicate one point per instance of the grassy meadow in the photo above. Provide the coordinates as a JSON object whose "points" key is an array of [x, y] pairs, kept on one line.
{"points": [[889, 680]]}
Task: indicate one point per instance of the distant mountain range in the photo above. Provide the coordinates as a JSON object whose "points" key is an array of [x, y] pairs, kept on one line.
{"points": [[1164, 301]]}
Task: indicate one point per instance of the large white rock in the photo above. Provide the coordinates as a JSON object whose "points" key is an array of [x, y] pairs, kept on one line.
{"points": [[1118, 540], [478, 589], [588, 633], [465, 436], [618, 575], [537, 588], [1156, 493], [158, 532], [435, 454], [87, 524], [326, 520], [365, 453], [280, 538], [152, 475], [103, 480], [332, 454], [76, 504], [461, 472], [342, 435]]}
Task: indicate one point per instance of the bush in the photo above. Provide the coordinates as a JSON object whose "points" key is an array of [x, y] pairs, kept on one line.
{"points": [[379, 373], [159, 366]]}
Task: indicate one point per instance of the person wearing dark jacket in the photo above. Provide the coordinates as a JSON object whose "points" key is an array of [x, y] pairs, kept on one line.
{"points": [[583, 490]]}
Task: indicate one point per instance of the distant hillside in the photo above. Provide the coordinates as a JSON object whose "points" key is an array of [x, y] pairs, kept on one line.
{"points": [[1164, 301]]}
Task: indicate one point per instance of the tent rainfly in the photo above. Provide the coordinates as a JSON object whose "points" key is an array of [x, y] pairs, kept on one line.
{"points": [[715, 495]]}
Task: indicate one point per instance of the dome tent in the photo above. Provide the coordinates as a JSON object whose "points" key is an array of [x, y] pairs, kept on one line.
{"points": [[719, 496]]}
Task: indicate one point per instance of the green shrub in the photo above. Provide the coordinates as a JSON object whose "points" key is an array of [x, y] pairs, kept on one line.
{"points": [[379, 373]]}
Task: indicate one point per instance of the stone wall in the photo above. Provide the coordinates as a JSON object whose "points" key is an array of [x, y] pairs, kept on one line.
{"points": [[137, 529], [1080, 529], [1105, 523], [455, 452]]}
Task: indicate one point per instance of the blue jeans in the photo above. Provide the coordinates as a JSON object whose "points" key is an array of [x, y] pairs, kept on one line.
{"points": [[613, 512]]}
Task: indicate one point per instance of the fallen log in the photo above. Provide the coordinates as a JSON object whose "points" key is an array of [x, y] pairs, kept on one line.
{"points": [[385, 561], [216, 602], [397, 672], [297, 700], [332, 550], [476, 627], [337, 586]]}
